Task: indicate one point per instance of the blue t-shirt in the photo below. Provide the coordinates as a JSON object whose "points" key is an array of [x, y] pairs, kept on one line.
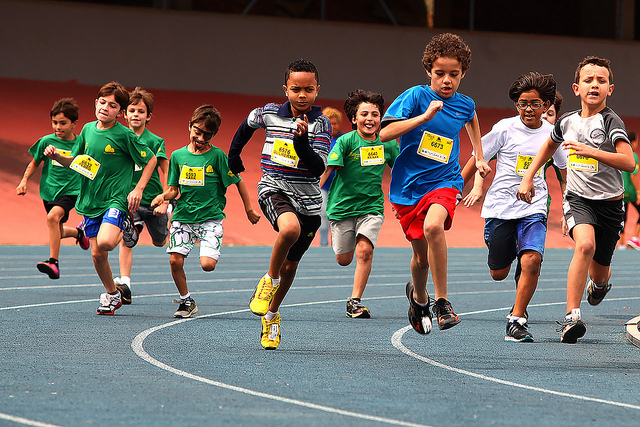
{"points": [[413, 174]]}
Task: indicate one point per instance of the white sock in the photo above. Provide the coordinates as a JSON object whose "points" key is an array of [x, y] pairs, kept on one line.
{"points": [[270, 315], [274, 281], [513, 319], [185, 296], [125, 280], [575, 314]]}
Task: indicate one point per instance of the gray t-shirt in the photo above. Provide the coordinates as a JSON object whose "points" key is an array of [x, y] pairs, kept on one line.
{"points": [[588, 177]]}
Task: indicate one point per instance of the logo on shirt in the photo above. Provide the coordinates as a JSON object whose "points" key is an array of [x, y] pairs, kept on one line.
{"points": [[109, 149], [143, 153], [209, 170], [598, 137], [333, 156]]}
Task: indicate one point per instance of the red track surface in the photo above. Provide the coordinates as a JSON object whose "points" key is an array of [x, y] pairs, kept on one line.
{"points": [[24, 117]]}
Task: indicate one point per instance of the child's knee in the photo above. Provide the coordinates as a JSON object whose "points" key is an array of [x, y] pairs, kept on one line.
{"points": [[344, 259], [208, 264], [531, 262], [499, 275], [586, 248], [176, 262]]}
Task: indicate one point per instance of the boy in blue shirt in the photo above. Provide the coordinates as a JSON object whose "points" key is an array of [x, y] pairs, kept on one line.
{"points": [[426, 183]]}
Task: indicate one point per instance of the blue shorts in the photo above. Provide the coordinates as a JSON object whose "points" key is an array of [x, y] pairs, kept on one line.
{"points": [[111, 216], [507, 238]]}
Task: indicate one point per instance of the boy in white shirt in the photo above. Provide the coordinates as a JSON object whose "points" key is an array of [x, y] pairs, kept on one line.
{"points": [[513, 228]]}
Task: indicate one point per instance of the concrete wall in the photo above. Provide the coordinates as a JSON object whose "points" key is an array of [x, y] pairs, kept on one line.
{"points": [[245, 54]]}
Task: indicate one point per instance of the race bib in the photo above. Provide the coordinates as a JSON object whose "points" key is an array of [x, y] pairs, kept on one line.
{"points": [[370, 156], [85, 165], [284, 153], [523, 163], [192, 176], [65, 153], [582, 163], [435, 147]]}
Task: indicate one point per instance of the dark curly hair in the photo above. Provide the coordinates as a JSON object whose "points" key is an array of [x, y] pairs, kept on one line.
{"points": [[357, 97], [301, 65], [544, 84], [446, 45]]}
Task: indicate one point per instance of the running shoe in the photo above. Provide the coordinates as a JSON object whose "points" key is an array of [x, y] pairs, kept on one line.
{"points": [[262, 296], [571, 328], [125, 290], [634, 243], [110, 303], [270, 337], [419, 316], [443, 311], [82, 240], [49, 268], [129, 234], [186, 308], [517, 331], [595, 295], [355, 308]]}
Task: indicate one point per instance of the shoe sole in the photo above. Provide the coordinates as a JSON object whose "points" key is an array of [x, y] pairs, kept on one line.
{"points": [[633, 246], [181, 316], [109, 313], [572, 335], [364, 315], [449, 323], [43, 268], [528, 338]]}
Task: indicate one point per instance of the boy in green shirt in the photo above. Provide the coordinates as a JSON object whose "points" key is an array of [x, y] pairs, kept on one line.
{"points": [[200, 173], [356, 203], [106, 160], [59, 186]]}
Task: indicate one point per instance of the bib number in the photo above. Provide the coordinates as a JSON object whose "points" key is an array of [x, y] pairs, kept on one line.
{"points": [[284, 153], [523, 163], [371, 156], [435, 147], [85, 165], [582, 163], [191, 176]]}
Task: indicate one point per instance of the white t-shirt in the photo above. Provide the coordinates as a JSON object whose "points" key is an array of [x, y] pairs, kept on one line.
{"points": [[516, 145]]}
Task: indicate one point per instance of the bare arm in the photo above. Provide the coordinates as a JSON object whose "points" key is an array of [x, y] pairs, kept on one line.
{"points": [[170, 193], [32, 167], [52, 153], [135, 195], [473, 129], [622, 159], [326, 174], [398, 128], [253, 216], [163, 168]]}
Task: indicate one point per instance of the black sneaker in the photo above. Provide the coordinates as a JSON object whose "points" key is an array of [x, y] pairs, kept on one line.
{"points": [[124, 289], [355, 308], [186, 308], [571, 329], [129, 233], [517, 331], [595, 295], [443, 310], [419, 317]]}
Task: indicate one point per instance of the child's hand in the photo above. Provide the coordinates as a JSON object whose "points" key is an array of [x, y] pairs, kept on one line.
{"points": [[161, 209], [433, 108], [526, 192], [50, 151], [253, 216], [474, 195], [134, 199], [565, 228], [303, 125], [157, 201], [483, 168], [21, 189], [579, 148]]}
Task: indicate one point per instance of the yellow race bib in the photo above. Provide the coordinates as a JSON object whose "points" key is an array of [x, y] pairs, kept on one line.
{"points": [[523, 163], [85, 165], [191, 176], [435, 147], [284, 153], [370, 156], [582, 163], [65, 153]]}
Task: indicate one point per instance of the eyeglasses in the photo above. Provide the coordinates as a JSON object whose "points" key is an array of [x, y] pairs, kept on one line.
{"points": [[535, 105]]}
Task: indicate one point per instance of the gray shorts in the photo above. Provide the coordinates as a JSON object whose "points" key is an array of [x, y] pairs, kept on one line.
{"points": [[344, 232], [157, 226]]}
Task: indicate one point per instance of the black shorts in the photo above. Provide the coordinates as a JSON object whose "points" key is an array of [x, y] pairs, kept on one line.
{"points": [[157, 226], [275, 204], [65, 202], [607, 218]]}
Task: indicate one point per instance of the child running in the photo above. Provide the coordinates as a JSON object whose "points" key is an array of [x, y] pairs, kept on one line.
{"points": [[106, 160], [425, 181], [599, 150], [59, 186], [294, 157], [138, 114], [200, 174], [356, 204], [514, 229]]}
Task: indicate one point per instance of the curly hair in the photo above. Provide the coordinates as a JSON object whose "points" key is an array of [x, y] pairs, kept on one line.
{"points": [[544, 84], [357, 97], [446, 45], [301, 65], [593, 60]]}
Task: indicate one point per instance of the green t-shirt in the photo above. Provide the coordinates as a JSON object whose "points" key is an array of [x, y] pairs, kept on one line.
{"points": [[56, 180], [154, 186], [630, 194], [203, 180], [356, 189], [117, 150]]}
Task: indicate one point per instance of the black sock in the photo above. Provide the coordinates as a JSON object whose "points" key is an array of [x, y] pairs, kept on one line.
{"points": [[53, 261]]}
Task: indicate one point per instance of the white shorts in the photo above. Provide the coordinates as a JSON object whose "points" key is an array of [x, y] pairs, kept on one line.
{"points": [[183, 237], [345, 232]]}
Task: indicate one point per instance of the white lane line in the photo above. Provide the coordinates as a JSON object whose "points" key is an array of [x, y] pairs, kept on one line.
{"points": [[396, 341], [138, 347], [25, 421]]}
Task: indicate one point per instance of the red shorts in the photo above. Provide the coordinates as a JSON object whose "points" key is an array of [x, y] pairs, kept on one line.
{"points": [[412, 217]]}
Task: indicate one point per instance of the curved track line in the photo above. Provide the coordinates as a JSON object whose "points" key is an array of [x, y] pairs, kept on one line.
{"points": [[25, 421], [137, 346], [396, 341]]}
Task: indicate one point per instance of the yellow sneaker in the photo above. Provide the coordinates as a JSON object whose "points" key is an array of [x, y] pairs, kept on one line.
{"points": [[270, 338], [262, 296]]}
